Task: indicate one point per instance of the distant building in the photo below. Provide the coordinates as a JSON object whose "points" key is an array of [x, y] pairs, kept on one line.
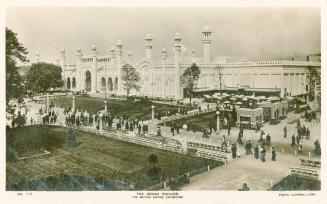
{"points": [[99, 74]]}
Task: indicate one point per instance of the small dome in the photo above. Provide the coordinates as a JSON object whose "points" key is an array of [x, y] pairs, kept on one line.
{"points": [[148, 37], [193, 50], [119, 42], [112, 48], [177, 36], [206, 28], [94, 47], [62, 50], [163, 50], [78, 49]]}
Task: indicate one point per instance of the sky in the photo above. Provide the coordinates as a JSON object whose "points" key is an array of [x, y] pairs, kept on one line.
{"points": [[254, 33]]}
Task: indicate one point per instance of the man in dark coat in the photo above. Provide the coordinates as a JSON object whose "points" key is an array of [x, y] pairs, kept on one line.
{"points": [[256, 152], [273, 154], [234, 150], [263, 154], [285, 131]]}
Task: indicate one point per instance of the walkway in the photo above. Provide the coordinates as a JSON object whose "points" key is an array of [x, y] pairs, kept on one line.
{"points": [[258, 175]]}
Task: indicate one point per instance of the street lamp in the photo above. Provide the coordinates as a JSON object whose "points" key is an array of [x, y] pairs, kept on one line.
{"points": [[218, 122]]}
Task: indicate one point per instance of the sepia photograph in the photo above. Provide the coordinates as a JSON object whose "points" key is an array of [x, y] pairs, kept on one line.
{"points": [[166, 99]]}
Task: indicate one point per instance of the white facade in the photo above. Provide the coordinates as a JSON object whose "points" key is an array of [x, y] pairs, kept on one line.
{"points": [[99, 74]]}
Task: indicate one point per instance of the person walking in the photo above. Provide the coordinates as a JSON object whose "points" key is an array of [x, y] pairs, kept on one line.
{"points": [[293, 140], [256, 152], [273, 154], [263, 154], [285, 132], [234, 150], [223, 142], [268, 139]]}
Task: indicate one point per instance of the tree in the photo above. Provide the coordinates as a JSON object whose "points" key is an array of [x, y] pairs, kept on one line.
{"points": [[313, 80], [15, 51], [153, 159], [190, 78], [130, 78], [43, 76]]}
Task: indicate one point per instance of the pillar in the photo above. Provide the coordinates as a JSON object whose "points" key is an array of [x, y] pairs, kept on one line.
{"points": [[164, 58], [73, 108], [206, 43], [152, 113], [94, 70], [148, 46], [177, 53], [105, 106]]}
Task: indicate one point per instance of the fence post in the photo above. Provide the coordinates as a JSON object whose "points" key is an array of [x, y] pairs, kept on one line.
{"points": [[295, 152], [309, 155], [208, 168], [165, 185], [271, 183]]}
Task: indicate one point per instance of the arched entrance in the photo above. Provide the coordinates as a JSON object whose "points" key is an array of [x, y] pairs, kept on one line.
{"points": [[68, 83], [110, 87], [103, 84], [87, 83], [74, 83]]}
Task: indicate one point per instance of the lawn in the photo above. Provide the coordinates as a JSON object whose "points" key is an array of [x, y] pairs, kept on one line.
{"points": [[131, 109], [97, 163], [198, 122], [296, 183]]}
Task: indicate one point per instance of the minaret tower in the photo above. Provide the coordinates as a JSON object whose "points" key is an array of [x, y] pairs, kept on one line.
{"points": [[94, 70], [119, 56], [148, 46], [206, 43], [63, 65], [79, 74], [177, 63]]}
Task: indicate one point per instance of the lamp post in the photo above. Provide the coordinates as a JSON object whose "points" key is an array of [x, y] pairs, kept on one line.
{"points": [[152, 115], [218, 122]]}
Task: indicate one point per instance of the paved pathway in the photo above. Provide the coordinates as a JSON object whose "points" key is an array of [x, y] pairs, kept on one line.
{"points": [[258, 175]]}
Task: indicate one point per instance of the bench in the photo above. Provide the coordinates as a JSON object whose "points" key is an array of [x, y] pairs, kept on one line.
{"points": [[305, 172], [311, 163]]}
